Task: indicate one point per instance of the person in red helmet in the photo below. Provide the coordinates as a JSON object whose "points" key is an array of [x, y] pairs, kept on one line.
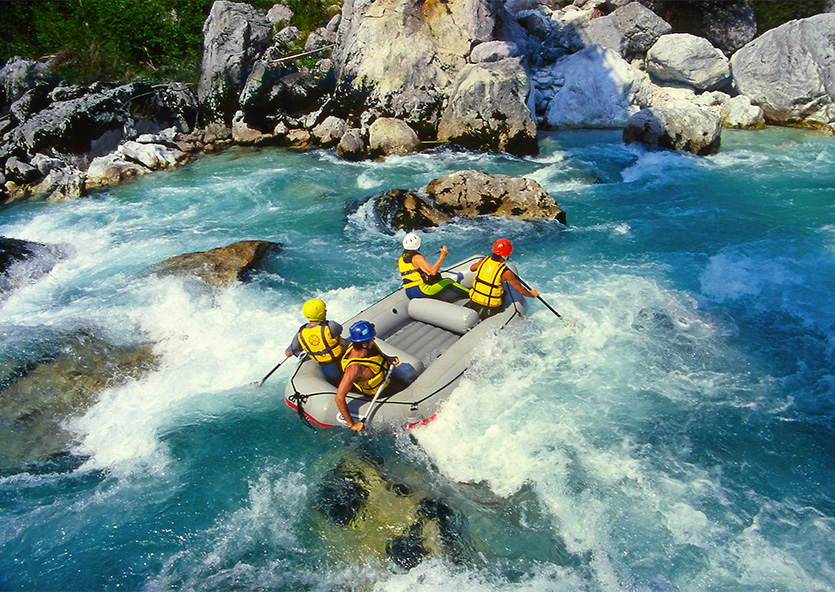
{"points": [[486, 295]]}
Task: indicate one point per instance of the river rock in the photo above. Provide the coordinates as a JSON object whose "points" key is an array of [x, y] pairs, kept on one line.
{"points": [[739, 112], [487, 107], [63, 379], [593, 88], [18, 75], [388, 136], [65, 182], [687, 129], [23, 262], [474, 193], [112, 169], [730, 25], [403, 57], [352, 145], [234, 35], [788, 72], [681, 57], [222, 266], [151, 156], [399, 209], [493, 51], [330, 131], [630, 30]]}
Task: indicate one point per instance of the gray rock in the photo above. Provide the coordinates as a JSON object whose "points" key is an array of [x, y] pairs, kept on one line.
{"points": [[388, 136], [630, 30], [330, 131], [20, 172], [691, 130], [739, 112], [112, 169], [487, 108], [66, 182], [219, 267], [352, 145], [493, 51], [594, 88], [18, 75], [279, 15], [474, 193], [287, 35], [399, 209], [730, 25], [788, 72], [234, 35], [151, 156], [681, 57], [403, 57]]}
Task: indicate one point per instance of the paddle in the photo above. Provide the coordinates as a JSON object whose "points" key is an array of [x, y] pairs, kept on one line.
{"points": [[379, 390], [571, 324], [270, 373]]}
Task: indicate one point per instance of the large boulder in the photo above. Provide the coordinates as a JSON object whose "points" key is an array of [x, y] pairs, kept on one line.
{"points": [[399, 209], [688, 129], [234, 35], [391, 136], [685, 58], [219, 267], [474, 193], [592, 88], [487, 107], [23, 262], [19, 75], [403, 57], [62, 379], [630, 30], [788, 71]]}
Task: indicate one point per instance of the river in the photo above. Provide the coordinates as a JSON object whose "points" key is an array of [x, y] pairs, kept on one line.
{"points": [[675, 430]]}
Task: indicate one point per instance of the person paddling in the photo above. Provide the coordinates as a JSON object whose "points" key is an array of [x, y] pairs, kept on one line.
{"points": [[321, 339], [365, 368], [486, 295], [420, 279]]}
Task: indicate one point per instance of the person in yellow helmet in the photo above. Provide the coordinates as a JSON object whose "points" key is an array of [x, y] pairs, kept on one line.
{"points": [[420, 279], [487, 293], [321, 339]]}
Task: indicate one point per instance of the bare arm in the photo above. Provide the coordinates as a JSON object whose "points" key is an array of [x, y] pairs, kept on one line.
{"points": [[342, 391], [510, 277], [475, 265], [422, 264]]}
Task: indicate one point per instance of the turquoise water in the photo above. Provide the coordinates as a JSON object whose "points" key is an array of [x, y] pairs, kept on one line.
{"points": [[676, 434]]}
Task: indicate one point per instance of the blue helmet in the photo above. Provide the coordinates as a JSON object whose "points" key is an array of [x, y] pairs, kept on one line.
{"points": [[362, 331]]}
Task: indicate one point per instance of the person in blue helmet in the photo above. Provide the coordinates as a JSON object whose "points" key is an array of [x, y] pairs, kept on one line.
{"points": [[421, 280], [364, 368]]}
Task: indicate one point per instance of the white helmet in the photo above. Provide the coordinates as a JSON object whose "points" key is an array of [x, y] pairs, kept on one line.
{"points": [[411, 242]]}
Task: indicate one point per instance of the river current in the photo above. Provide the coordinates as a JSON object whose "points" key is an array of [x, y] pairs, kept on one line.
{"points": [[675, 430]]}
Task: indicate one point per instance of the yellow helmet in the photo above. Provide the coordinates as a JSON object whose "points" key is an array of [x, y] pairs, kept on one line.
{"points": [[314, 310]]}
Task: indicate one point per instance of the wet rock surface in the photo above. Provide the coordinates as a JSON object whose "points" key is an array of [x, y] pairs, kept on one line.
{"points": [[222, 266]]}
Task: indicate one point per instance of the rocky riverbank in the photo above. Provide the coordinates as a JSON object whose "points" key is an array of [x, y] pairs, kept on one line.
{"points": [[395, 76]]}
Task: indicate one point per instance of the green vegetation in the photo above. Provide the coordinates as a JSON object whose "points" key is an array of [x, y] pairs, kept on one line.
{"points": [[773, 13], [123, 40]]}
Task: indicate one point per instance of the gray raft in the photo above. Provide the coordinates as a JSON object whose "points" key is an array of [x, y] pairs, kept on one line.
{"points": [[432, 338]]}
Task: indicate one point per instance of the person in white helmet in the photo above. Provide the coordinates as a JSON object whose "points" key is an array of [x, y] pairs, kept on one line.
{"points": [[420, 279]]}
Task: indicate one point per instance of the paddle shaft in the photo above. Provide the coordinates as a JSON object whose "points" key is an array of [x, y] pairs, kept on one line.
{"points": [[270, 373], [542, 300], [376, 396]]}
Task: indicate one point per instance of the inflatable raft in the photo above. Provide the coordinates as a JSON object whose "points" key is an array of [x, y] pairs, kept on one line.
{"points": [[433, 339]]}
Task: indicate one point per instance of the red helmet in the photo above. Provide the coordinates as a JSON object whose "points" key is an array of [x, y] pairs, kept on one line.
{"points": [[502, 248]]}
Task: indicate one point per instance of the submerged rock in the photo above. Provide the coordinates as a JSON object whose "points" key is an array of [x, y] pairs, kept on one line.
{"points": [[23, 262], [219, 267], [362, 513], [61, 379]]}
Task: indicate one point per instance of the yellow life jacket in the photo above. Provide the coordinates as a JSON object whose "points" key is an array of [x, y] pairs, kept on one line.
{"points": [[487, 287], [412, 276], [320, 344], [376, 362]]}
